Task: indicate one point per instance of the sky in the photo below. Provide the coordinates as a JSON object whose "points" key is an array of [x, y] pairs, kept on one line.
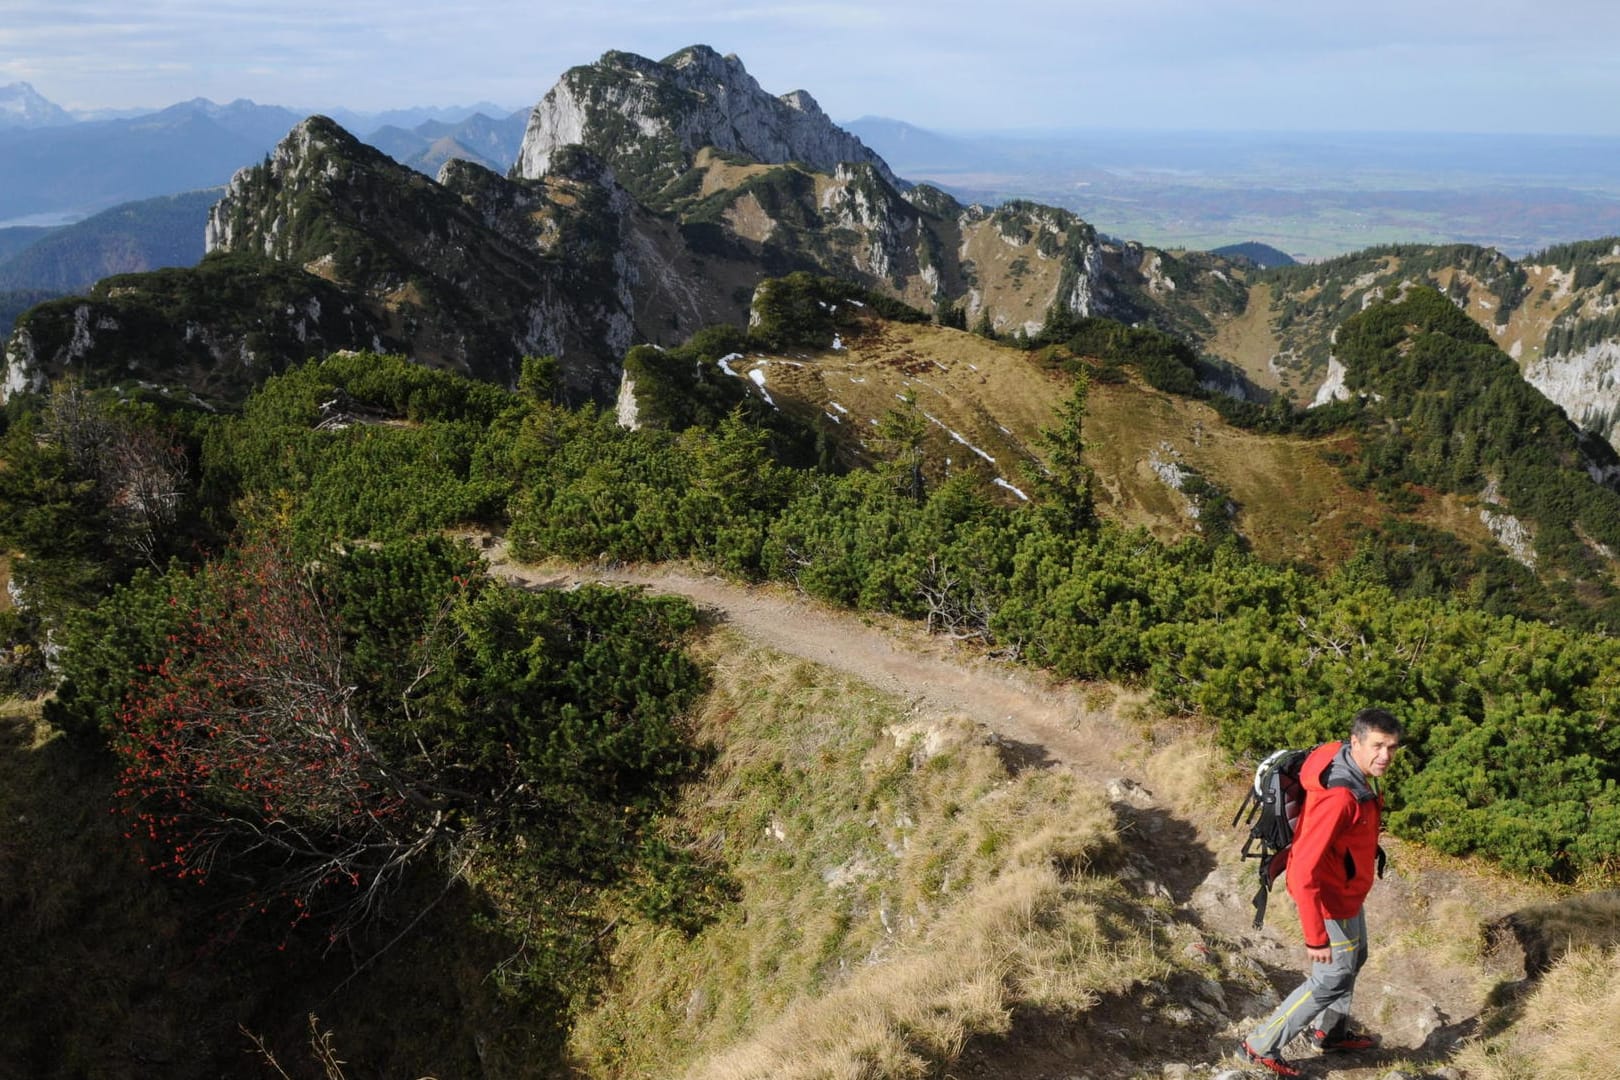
{"points": [[1489, 66]]}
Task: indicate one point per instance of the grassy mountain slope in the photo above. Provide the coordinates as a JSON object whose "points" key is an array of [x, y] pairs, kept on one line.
{"points": [[983, 406], [901, 889]]}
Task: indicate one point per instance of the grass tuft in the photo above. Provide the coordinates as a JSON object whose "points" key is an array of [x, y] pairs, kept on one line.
{"points": [[900, 893], [1563, 1032]]}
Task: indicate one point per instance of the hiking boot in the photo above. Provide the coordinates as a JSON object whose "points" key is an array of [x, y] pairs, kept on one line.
{"points": [[1344, 1040], [1275, 1062]]}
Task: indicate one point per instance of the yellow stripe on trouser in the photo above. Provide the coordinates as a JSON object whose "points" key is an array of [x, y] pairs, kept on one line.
{"points": [[1329, 988]]}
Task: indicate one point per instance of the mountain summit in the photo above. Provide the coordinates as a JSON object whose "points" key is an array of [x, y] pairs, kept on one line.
{"points": [[648, 119], [21, 106]]}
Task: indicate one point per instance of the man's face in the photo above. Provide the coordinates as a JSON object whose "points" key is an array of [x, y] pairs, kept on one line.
{"points": [[1373, 751]]}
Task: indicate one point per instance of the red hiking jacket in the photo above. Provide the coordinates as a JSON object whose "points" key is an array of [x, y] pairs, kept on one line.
{"points": [[1332, 862]]}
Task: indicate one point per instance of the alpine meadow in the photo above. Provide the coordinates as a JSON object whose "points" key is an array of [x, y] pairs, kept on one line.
{"points": [[698, 604]]}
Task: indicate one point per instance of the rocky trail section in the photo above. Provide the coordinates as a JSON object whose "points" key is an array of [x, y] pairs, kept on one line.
{"points": [[1425, 984]]}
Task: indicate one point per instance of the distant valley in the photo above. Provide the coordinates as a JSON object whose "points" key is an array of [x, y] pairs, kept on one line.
{"points": [[1310, 195]]}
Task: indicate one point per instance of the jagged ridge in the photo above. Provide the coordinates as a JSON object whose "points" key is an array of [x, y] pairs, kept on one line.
{"points": [[649, 118]]}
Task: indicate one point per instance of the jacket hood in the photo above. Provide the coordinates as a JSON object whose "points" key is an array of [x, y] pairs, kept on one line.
{"points": [[1331, 766]]}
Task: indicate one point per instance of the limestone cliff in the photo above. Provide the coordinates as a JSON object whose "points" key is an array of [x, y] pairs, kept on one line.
{"points": [[1556, 313], [648, 119]]}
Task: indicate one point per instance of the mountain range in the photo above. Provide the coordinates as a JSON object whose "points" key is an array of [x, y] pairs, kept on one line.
{"points": [[650, 199], [681, 183], [56, 168], [671, 202]]}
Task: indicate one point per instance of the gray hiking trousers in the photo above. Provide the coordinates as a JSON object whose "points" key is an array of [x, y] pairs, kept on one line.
{"points": [[1323, 999]]}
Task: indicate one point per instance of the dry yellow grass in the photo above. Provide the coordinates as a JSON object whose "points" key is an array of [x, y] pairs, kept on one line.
{"points": [[1015, 300], [987, 403], [1023, 939], [1567, 1027], [900, 893], [1249, 340], [722, 175]]}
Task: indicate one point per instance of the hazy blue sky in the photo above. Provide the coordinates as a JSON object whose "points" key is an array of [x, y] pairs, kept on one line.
{"points": [[1488, 65]]}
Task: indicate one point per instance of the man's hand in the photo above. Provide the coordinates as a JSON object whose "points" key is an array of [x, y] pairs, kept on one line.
{"points": [[1319, 956]]}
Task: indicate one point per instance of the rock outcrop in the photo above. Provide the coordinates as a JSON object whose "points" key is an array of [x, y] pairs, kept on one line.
{"points": [[648, 119], [472, 272], [1556, 314]]}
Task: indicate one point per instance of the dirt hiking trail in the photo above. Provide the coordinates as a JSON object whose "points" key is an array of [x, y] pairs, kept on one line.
{"points": [[1421, 990]]}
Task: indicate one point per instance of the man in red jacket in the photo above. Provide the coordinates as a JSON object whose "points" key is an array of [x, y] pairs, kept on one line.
{"points": [[1331, 865]]}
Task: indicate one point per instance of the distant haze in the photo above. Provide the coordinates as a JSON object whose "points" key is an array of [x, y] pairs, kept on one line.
{"points": [[1310, 195], [1277, 65]]}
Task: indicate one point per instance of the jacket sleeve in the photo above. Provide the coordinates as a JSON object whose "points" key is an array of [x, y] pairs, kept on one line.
{"points": [[1308, 859]]}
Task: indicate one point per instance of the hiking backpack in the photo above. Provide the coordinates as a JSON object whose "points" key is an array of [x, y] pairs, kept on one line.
{"points": [[1272, 805]]}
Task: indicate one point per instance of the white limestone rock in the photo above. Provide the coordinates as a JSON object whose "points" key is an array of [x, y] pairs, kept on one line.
{"points": [[627, 107], [1585, 384]]}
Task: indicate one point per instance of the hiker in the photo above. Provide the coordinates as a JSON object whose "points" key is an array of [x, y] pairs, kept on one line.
{"points": [[1330, 871]]}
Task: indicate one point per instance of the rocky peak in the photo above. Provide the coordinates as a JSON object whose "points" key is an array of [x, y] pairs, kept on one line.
{"points": [[316, 163], [647, 119], [703, 64], [21, 106]]}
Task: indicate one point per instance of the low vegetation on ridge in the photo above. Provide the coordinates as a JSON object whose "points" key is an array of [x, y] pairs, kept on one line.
{"points": [[311, 674]]}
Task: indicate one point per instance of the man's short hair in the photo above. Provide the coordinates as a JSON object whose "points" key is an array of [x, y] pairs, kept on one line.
{"points": [[1380, 720]]}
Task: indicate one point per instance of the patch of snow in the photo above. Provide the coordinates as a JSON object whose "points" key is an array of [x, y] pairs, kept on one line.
{"points": [[999, 482], [838, 343], [957, 436], [831, 416], [839, 407], [758, 375], [725, 362]]}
